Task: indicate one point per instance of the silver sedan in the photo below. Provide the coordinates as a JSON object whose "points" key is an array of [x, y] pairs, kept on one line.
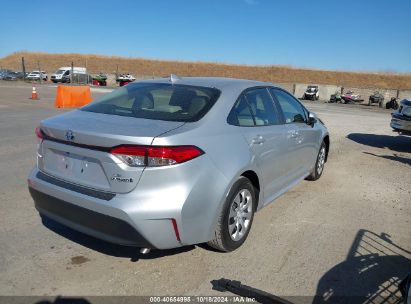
{"points": [[401, 119], [175, 161]]}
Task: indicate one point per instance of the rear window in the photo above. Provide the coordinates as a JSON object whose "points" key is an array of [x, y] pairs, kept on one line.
{"points": [[168, 102]]}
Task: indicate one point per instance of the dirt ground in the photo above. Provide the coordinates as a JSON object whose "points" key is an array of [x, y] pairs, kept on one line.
{"points": [[347, 234]]}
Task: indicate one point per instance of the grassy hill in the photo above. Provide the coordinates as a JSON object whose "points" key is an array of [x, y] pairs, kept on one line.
{"points": [[141, 66]]}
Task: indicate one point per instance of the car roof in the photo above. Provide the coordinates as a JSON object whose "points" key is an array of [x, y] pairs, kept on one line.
{"points": [[212, 82]]}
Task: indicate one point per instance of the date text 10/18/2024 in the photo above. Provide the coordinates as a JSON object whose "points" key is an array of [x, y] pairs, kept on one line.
{"points": [[201, 299]]}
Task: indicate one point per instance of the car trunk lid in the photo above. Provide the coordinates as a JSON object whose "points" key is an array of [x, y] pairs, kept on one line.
{"points": [[77, 144]]}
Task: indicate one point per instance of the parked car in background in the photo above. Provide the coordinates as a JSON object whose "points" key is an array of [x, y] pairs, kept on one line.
{"points": [[351, 97], [3, 73], [63, 74], [37, 75], [377, 97], [401, 119], [311, 93], [77, 78], [166, 163], [12, 76]]}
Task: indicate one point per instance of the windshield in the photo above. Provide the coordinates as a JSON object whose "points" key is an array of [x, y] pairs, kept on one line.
{"points": [[157, 101], [60, 71]]}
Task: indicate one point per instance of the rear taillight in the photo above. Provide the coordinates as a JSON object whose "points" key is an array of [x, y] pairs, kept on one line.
{"points": [[154, 156], [39, 134]]}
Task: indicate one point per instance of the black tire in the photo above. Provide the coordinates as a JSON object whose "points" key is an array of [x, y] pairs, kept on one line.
{"points": [[223, 241], [316, 173]]}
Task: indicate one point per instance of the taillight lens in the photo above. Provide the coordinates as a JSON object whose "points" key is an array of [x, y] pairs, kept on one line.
{"points": [[39, 134], [154, 156]]}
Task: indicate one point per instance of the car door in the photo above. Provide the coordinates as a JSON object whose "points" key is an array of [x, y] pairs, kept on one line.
{"points": [[302, 138], [260, 124]]}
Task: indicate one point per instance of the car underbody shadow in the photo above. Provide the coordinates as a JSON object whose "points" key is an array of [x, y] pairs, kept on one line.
{"points": [[398, 143], [108, 248], [371, 273]]}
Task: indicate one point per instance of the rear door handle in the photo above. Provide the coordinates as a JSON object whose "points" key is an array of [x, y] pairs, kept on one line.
{"points": [[258, 140]]}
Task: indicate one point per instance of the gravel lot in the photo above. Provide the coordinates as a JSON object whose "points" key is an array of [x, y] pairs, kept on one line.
{"points": [[347, 234]]}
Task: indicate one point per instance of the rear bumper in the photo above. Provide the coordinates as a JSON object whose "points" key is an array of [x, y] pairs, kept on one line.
{"points": [[96, 224], [309, 96], [143, 217]]}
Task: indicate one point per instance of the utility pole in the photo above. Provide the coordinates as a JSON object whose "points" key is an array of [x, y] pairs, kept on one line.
{"points": [[72, 71], [86, 73], [23, 66], [41, 74]]}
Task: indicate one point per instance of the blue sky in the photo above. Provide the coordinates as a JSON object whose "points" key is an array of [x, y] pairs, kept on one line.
{"points": [[360, 35]]}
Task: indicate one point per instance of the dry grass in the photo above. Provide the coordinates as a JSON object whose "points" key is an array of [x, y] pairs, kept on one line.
{"points": [[140, 66]]}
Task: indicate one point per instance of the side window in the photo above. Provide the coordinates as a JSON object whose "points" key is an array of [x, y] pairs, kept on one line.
{"points": [[254, 108], [292, 109], [241, 115], [262, 107]]}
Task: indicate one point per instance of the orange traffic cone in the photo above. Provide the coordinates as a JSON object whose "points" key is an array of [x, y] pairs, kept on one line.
{"points": [[34, 94]]}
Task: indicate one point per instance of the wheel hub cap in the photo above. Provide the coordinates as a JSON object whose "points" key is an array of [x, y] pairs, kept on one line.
{"points": [[240, 215], [321, 160]]}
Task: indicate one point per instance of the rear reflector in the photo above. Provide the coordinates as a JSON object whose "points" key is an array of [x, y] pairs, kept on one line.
{"points": [[175, 227], [39, 133], [155, 156]]}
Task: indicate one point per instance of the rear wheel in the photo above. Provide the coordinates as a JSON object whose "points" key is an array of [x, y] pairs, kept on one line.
{"points": [[234, 222], [319, 164]]}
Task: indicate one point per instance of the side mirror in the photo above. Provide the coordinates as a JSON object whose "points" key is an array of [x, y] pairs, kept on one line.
{"points": [[312, 119]]}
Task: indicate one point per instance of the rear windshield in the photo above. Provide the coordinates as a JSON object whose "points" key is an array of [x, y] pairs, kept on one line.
{"points": [[156, 101]]}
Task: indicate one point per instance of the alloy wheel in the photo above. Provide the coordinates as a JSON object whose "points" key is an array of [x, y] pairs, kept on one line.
{"points": [[239, 218]]}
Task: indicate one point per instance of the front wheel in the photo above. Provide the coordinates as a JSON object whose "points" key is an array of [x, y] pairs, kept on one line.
{"points": [[236, 217], [319, 164]]}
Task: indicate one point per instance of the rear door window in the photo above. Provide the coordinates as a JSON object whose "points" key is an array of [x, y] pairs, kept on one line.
{"points": [[262, 107], [169, 102], [255, 107], [241, 114]]}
